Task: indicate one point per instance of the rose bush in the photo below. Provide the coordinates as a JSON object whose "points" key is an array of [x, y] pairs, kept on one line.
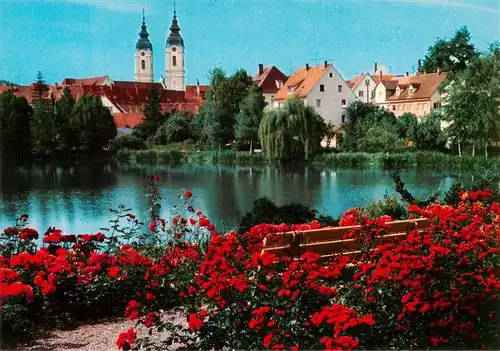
{"points": [[431, 289], [434, 288]]}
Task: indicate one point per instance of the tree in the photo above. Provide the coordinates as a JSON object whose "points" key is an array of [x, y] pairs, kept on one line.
{"points": [[406, 124], [249, 117], [67, 134], [153, 116], [472, 103], [224, 97], [428, 134], [356, 112], [175, 129], [380, 139], [94, 122], [43, 124], [15, 119], [452, 55], [291, 131]]}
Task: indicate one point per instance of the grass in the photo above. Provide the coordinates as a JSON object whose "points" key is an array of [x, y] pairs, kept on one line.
{"points": [[432, 161]]}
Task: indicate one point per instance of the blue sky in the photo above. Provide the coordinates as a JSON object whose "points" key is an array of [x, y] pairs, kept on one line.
{"points": [[82, 38]]}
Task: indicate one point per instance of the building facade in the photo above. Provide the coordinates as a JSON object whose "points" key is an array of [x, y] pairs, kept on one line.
{"points": [[321, 87], [418, 94]]}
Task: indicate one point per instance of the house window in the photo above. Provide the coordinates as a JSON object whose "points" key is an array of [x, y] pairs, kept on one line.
{"points": [[331, 74], [343, 118], [436, 105], [290, 90], [318, 103], [143, 64], [322, 88], [174, 61], [339, 88], [280, 84], [342, 103], [360, 93], [373, 94], [394, 107]]}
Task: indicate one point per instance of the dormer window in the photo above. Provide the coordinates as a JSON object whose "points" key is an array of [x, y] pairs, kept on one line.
{"points": [[398, 91], [290, 90], [279, 83], [411, 90]]}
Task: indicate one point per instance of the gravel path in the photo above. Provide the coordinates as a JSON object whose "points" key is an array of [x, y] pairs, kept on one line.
{"points": [[97, 337]]}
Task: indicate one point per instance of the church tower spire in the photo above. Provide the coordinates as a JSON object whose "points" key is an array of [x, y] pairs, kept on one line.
{"points": [[143, 57], [174, 54]]}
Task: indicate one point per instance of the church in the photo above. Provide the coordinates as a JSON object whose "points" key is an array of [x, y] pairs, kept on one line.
{"points": [[127, 99]]}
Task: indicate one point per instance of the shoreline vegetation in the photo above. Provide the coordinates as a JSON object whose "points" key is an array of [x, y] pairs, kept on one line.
{"points": [[358, 160]]}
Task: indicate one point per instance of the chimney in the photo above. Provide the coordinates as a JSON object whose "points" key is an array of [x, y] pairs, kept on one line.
{"points": [[326, 64], [307, 67], [380, 75], [198, 87], [407, 74], [261, 68], [375, 68], [419, 66]]}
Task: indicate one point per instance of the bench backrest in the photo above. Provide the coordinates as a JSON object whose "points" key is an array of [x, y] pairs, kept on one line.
{"points": [[329, 241]]}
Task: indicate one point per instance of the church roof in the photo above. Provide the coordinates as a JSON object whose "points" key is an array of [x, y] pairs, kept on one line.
{"points": [[174, 38], [143, 43]]}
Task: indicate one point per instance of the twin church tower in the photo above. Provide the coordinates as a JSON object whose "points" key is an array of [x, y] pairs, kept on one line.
{"points": [[174, 57]]}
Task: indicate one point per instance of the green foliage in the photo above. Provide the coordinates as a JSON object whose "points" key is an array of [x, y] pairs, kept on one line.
{"points": [[44, 141], [15, 119], [153, 116], [217, 118], [294, 131], [471, 105], [130, 142], [427, 133], [175, 129], [66, 130], [265, 211], [388, 206], [452, 55], [372, 129], [406, 124], [249, 117], [95, 123]]}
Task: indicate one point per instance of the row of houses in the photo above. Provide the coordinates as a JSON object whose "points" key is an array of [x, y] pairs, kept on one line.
{"points": [[323, 88]]}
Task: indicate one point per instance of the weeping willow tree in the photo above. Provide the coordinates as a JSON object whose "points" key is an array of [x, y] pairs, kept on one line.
{"points": [[293, 131]]}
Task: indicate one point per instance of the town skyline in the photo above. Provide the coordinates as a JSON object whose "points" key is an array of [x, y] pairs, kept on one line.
{"points": [[65, 46]]}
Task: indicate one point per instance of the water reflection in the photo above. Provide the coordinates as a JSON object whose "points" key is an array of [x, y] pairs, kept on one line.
{"points": [[77, 199]]}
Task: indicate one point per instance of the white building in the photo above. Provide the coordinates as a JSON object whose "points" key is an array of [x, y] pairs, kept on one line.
{"points": [[321, 87]]}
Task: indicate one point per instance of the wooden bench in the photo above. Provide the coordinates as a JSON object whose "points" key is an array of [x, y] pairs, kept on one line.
{"points": [[329, 241]]}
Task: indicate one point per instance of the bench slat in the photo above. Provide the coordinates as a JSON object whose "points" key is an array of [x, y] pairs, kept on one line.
{"points": [[328, 241]]}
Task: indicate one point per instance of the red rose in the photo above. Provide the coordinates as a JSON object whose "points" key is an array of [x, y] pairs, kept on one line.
{"points": [[113, 272], [156, 178], [152, 226], [188, 194]]}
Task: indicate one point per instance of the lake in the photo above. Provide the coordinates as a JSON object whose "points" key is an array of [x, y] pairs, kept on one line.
{"points": [[76, 199]]}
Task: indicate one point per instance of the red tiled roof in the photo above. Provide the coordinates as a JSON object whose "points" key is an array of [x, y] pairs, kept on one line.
{"points": [[356, 80], [127, 120], [267, 80], [192, 92], [18, 90], [85, 81], [425, 84], [301, 81], [378, 78]]}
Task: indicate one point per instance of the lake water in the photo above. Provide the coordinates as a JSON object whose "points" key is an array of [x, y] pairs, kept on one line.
{"points": [[77, 199]]}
